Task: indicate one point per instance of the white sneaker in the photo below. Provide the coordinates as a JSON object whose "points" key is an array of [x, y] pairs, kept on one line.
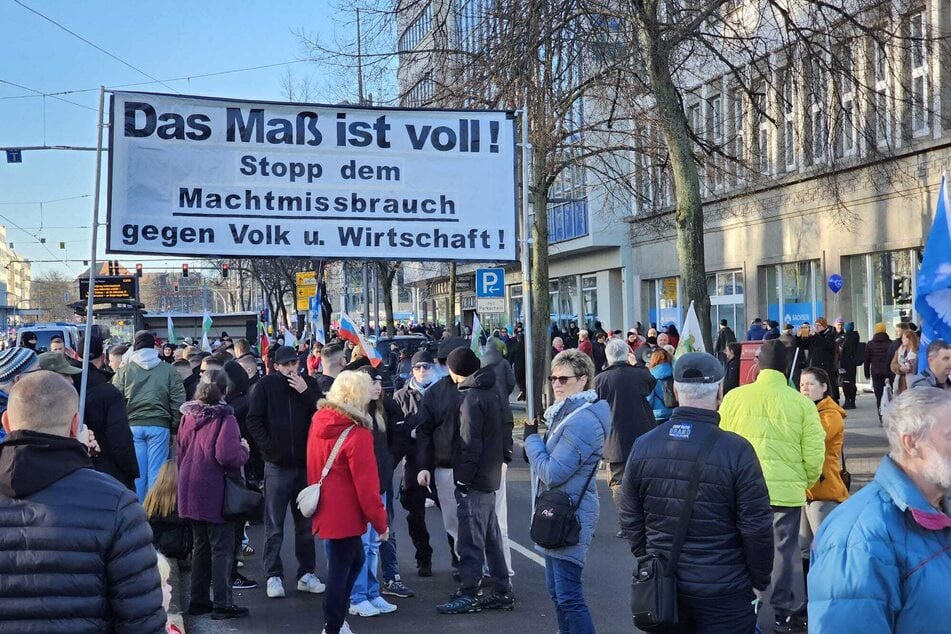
{"points": [[384, 606], [310, 583], [364, 608], [430, 503], [345, 629], [275, 588]]}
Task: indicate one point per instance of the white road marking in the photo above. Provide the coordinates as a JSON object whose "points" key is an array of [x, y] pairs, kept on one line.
{"points": [[531, 554]]}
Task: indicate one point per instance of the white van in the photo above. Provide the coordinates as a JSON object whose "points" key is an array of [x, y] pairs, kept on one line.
{"points": [[45, 333]]}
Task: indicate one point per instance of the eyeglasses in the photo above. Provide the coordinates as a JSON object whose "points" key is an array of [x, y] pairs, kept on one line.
{"points": [[562, 380], [423, 366]]}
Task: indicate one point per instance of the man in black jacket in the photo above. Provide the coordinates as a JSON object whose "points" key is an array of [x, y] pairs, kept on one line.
{"points": [[625, 387], [504, 385], [728, 546], [105, 415], [477, 473], [282, 405], [76, 550], [725, 336], [413, 496], [436, 429], [821, 348]]}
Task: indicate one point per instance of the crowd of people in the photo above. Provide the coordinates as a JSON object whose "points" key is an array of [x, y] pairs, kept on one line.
{"points": [[169, 429]]}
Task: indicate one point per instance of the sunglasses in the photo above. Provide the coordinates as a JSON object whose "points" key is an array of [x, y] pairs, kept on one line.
{"points": [[423, 366], [563, 380]]}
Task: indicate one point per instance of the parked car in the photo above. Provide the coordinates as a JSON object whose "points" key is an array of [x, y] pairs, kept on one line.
{"points": [[389, 348]]}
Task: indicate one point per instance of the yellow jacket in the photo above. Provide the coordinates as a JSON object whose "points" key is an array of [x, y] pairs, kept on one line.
{"points": [[783, 427], [830, 486]]}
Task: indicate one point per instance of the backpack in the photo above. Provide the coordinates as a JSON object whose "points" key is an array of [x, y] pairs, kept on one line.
{"points": [[670, 400]]}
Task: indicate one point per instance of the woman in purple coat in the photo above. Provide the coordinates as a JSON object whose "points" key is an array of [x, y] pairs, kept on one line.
{"points": [[209, 444]]}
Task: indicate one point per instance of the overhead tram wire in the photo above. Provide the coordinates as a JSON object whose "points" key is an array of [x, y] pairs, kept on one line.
{"points": [[98, 48], [40, 93]]}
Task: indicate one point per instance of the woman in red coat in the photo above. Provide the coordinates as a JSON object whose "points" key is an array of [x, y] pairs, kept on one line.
{"points": [[350, 494]]}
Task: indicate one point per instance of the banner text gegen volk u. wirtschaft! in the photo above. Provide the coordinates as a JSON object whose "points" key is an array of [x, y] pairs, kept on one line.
{"points": [[201, 176]]}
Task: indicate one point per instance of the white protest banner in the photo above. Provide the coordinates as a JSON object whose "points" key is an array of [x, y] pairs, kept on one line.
{"points": [[201, 176]]}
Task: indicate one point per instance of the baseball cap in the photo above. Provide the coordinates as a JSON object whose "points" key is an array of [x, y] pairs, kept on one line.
{"points": [[698, 367], [285, 354], [56, 362]]}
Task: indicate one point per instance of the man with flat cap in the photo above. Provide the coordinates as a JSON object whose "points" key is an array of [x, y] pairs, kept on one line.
{"points": [[727, 542], [783, 427], [154, 394]]}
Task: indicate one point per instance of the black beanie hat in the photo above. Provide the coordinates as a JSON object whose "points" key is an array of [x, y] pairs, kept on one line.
{"points": [[772, 355], [143, 340], [463, 361], [422, 356]]}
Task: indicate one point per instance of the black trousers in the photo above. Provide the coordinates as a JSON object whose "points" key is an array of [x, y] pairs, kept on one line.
{"points": [[878, 386], [212, 559], [344, 562], [849, 388], [732, 614], [480, 542], [413, 498]]}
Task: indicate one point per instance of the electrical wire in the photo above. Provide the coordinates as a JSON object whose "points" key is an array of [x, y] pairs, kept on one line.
{"points": [[98, 48], [40, 93]]}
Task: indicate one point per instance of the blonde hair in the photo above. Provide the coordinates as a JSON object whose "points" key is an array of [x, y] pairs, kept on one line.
{"points": [[578, 362], [351, 388], [162, 498], [357, 354]]}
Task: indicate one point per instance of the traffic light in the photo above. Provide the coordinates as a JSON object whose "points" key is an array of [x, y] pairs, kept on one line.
{"points": [[185, 269], [138, 270], [175, 287], [224, 271]]}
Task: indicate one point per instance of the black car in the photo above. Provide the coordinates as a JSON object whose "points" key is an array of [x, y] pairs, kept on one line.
{"points": [[397, 373]]}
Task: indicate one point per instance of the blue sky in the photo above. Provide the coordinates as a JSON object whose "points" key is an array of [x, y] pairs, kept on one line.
{"points": [[165, 40]]}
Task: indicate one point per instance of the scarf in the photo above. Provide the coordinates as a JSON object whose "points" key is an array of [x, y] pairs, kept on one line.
{"points": [[587, 396]]}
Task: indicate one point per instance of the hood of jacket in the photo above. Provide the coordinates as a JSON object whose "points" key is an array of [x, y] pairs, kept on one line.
{"points": [[483, 379], [146, 358], [662, 371], [881, 337], [336, 417], [828, 405], [30, 461], [491, 356], [204, 414]]}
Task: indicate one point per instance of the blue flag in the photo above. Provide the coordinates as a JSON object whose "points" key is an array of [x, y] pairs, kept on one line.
{"points": [[933, 301]]}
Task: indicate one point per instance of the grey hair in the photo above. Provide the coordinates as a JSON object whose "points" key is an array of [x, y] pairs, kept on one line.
{"points": [[914, 412], [579, 363], [583, 333], [696, 392], [936, 347], [616, 350]]}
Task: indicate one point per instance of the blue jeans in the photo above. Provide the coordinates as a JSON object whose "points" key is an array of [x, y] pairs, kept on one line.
{"points": [[563, 579], [151, 452], [388, 561], [367, 585]]}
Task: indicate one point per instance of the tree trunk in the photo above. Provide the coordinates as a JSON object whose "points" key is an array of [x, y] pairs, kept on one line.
{"points": [[688, 217], [451, 313], [387, 274], [541, 311]]}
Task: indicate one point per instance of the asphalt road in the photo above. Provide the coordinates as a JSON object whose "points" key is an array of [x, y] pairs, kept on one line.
{"points": [[607, 573]]}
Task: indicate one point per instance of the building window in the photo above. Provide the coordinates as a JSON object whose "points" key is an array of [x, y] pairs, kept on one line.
{"points": [[662, 299], [421, 94], [882, 287], [643, 183], [737, 115], [416, 31], [762, 130], [919, 75], [589, 300], [788, 109], [715, 104], [793, 291], [846, 119], [516, 304], [817, 110], [727, 301], [880, 99]]}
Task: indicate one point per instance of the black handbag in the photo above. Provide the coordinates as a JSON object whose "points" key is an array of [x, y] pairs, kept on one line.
{"points": [[654, 584], [241, 503], [845, 475], [555, 521]]}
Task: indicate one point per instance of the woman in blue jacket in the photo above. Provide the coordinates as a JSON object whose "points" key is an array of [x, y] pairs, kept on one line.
{"points": [[566, 458], [662, 369]]}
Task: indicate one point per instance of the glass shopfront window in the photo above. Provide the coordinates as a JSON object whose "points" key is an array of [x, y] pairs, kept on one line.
{"points": [[516, 304], [727, 300], [663, 301], [563, 294], [881, 288], [793, 291], [589, 300]]}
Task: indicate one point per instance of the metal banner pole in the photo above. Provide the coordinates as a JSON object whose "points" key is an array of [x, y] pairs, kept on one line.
{"points": [[84, 386], [526, 274]]}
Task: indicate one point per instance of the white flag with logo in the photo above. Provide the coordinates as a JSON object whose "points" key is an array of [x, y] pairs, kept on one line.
{"points": [[691, 337]]}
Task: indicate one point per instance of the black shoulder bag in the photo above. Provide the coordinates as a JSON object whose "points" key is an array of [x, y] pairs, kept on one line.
{"points": [[555, 520], [654, 586]]}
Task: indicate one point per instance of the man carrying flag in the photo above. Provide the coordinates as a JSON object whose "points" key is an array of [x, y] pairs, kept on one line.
{"points": [[933, 302]]}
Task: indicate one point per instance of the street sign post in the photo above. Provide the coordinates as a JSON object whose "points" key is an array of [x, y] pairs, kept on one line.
{"points": [[490, 291], [14, 156], [306, 289]]}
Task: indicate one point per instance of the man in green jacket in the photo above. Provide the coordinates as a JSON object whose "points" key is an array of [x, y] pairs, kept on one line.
{"points": [[784, 428], [154, 394]]}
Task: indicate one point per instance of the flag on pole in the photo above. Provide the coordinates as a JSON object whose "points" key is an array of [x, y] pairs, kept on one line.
{"points": [[205, 329], [172, 338], [691, 337], [476, 344], [264, 342], [933, 302], [348, 331], [317, 316]]}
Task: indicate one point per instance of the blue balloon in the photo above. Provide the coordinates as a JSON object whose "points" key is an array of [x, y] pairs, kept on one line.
{"points": [[836, 282]]}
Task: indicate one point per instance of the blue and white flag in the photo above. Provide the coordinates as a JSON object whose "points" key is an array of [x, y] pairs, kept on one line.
{"points": [[933, 301]]}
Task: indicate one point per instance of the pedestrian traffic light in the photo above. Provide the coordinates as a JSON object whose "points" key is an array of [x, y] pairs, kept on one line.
{"points": [[185, 269], [224, 271], [138, 269], [175, 287]]}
